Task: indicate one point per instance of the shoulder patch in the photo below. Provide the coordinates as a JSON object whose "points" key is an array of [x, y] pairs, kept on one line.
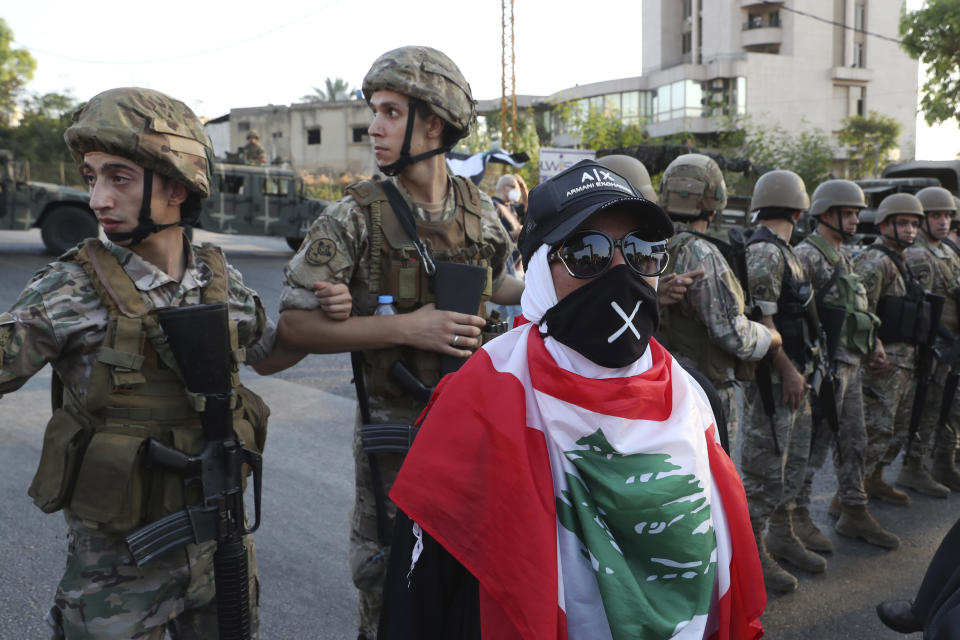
{"points": [[321, 251]]}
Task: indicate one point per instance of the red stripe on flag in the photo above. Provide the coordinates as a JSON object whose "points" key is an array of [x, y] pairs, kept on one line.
{"points": [[648, 396], [478, 481], [740, 607]]}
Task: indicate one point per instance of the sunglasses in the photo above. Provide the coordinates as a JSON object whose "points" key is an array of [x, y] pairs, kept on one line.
{"points": [[587, 254]]}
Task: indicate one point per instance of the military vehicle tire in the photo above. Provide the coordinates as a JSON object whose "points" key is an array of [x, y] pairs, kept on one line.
{"points": [[294, 243], [66, 226]]}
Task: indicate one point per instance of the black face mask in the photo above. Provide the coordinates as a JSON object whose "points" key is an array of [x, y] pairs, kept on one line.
{"points": [[609, 321]]}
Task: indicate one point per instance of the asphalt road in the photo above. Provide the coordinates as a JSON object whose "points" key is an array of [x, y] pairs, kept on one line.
{"points": [[308, 480]]}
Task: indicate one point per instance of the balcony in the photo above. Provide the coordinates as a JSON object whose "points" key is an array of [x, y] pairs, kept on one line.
{"points": [[851, 74], [746, 4], [757, 38]]}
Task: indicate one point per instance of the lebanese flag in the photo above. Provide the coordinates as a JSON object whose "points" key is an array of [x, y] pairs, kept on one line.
{"points": [[586, 508]]}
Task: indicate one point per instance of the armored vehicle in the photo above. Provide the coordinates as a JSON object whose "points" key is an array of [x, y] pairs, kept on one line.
{"points": [[61, 213], [259, 200]]}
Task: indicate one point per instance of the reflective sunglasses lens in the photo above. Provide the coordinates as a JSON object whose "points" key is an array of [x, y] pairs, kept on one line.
{"points": [[586, 254], [645, 257]]}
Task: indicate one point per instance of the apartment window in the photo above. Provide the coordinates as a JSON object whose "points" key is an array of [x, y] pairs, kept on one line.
{"points": [[687, 8], [243, 126], [858, 55], [611, 104], [313, 135], [774, 18], [686, 42], [859, 13], [277, 134], [755, 21], [859, 100], [360, 134]]}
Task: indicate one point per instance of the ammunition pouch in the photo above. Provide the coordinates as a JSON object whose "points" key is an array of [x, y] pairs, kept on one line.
{"points": [[64, 443], [904, 319]]}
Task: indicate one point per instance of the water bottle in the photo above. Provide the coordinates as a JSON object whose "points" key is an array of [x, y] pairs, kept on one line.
{"points": [[385, 306]]}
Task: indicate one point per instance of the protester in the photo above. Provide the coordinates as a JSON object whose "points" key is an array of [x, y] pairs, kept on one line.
{"points": [[568, 481]]}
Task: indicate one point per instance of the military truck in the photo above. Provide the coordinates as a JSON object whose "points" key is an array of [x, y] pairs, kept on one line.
{"points": [[61, 213], [259, 200]]}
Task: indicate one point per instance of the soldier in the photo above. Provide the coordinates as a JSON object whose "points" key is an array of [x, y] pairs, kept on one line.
{"points": [[422, 106], [91, 315], [707, 329], [897, 298], [839, 293], [776, 441], [253, 152], [937, 268]]}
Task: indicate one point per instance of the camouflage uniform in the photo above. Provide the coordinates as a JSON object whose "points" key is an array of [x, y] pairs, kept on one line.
{"points": [[851, 447], [887, 397], [774, 479], [253, 152], [60, 319], [337, 249], [713, 307], [938, 271]]}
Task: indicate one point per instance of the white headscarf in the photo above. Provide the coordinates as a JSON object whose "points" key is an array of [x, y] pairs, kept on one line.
{"points": [[539, 295]]}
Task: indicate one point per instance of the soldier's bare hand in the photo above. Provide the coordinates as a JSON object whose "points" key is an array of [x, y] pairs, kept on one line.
{"points": [[878, 361], [794, 386], [335, 299], [776, 340], [673, 287], [447, 332]]}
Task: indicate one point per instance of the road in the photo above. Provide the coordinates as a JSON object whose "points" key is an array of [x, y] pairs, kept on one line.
{"points": [[308, 481]]}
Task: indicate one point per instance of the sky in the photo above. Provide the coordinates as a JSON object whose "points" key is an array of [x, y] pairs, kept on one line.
{"points": [[217, 55]]}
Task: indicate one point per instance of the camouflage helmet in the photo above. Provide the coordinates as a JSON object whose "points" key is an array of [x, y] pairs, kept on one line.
{"points": [[937, 199], [780, 188], [427, 75], [634, 171], [898, 203], [154, 130], [692, 184], [253, 134], [836, 193]]}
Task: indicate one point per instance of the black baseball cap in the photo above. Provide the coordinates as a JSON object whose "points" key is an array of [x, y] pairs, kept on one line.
{"points": [[558, 206]]}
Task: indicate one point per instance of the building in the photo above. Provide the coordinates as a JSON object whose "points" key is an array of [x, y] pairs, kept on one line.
{"points": [[318, 137], [781, 63]]}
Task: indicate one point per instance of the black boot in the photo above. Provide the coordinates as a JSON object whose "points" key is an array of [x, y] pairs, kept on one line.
{"points": [[898, 615]]}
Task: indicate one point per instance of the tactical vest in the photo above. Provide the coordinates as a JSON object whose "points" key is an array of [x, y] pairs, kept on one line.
{"points": [[687, 337], [904, 318], [93, 452], [792, 319], [396, 269], [858, 331]]}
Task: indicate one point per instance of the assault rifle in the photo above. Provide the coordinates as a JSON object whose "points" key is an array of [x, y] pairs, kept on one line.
{"points": [[198, 336], [823, 381], [952, 359], [925, 363], [764, 370]]}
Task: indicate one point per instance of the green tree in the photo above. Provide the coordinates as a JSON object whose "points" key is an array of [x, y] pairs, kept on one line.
{"points": [[336, 89], [16, 70], [39, 135], [931, 35], [596, 128], [804, 149], [868, 140]]}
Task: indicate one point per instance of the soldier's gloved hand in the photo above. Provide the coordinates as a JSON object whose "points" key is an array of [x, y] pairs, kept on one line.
{"points": [[673, 287], [448, 332], [794, 386], [335, 299]]}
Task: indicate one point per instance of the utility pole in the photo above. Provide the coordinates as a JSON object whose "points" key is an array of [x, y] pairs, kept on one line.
{"points": [[508, 100]]}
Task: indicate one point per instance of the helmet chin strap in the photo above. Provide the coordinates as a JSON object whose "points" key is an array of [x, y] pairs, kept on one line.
{"points": [[145, 224], [844, 236], [405, 159], [896, 236]]}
